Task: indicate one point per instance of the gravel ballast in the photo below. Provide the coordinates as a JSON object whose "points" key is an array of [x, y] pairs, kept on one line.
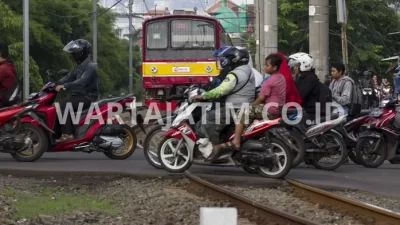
{"points": [[153, 201], [283, 200], [388, 203]]}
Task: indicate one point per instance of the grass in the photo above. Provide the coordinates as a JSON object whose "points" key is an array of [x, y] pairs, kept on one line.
{"points": [[55, 201]]}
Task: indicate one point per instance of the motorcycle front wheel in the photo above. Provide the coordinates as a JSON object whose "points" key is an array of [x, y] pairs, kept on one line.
{"points": [[299, 153], [174, 155], [283, 161], [150, 146], [371, 152]]}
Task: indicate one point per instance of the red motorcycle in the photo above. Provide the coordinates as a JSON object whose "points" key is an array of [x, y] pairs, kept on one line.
{"points": [[265, 144], [18, 138], [95, 130], [380, 139]]}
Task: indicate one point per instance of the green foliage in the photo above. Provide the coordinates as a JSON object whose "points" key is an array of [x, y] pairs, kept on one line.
{"points": [[55, 201], [12, 23], [53, 23], [369, 22]]}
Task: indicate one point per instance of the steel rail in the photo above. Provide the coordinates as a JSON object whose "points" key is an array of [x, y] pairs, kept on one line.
{"points": [[369, 213], [263, 214]]}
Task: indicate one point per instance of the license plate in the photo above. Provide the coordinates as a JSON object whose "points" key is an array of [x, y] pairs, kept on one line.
{"points": [[282, 131]]}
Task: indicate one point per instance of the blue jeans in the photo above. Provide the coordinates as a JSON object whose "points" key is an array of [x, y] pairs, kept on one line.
{"points": [[396, 82]]}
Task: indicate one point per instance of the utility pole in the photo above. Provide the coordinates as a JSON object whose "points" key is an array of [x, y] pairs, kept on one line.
{"points": [[266, 30], [342, 19], [319, 36], [258, 31], [94, 19], [270, 27], [130, 48], [26, 49]]}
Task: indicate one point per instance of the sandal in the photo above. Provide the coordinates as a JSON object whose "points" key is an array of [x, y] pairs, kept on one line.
{"points": [[64, 138], [229, 146]]}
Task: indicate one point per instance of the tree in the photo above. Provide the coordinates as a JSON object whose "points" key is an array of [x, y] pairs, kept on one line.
{"points": [[369, 22], [10, 25], [53, 23]]}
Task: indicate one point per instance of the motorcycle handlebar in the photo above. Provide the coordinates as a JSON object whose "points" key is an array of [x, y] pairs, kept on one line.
{"points": [[175, 97]]}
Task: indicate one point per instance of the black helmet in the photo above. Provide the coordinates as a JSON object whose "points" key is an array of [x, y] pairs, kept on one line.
{"points": [[79, 50], [233, 57]]}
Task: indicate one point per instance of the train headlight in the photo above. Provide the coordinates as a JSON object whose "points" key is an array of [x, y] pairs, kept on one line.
{"points": [[208, 69]]}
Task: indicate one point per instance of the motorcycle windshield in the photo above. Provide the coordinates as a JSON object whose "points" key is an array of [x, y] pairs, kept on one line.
{"points": [[184, 115]]}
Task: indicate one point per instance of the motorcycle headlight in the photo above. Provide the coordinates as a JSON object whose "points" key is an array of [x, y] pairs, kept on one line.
{"points": [[383, 103], [184, 115]]}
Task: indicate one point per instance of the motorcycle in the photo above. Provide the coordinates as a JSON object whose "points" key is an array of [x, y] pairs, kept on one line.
{"points": [[367, 96], [181, 143], [94, 132], [149, 150], [18, 138], [316, 138], [380, 139]]}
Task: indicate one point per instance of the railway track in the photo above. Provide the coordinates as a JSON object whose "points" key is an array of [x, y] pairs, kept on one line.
{"points": [[265, 214]]}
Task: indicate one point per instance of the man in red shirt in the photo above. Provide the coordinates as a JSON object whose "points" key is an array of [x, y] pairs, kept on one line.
{"points": [[7, 72], [271, 97]]}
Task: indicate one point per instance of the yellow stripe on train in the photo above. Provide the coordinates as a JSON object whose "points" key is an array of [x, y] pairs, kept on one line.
{"points": [[180, 69]]}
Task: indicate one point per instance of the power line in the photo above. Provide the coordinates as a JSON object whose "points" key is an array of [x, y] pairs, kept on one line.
{"points": [[83, 14]]}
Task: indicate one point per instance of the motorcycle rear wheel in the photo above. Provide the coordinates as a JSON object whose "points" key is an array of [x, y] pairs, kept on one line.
{"points": [[288, 161], [128, 150], [150, 152], [360, 153], [172, 167], [42, 142]]}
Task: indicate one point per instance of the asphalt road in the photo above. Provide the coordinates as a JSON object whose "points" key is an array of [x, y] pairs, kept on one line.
{"points": [[383, 180]]}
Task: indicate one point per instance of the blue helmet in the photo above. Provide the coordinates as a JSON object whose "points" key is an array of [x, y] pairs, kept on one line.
{"points": [[232, 57]]}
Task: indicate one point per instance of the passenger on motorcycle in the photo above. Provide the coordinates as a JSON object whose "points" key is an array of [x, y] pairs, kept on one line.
{"points": [[273, 90], [237, 88], [82, 82], [8, 75]]}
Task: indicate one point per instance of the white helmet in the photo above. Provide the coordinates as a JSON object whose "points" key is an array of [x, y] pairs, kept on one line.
{"points": [[305, 60]]}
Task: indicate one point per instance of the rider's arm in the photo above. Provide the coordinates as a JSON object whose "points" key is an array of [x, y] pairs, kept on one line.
{"points": [[224, 88], [344, 98], [88, 74], [265, 91], [66, 78]]}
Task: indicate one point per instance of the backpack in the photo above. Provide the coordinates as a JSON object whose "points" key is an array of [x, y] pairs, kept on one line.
{"points": [[13, 95], [355, 104], [325, 95]]}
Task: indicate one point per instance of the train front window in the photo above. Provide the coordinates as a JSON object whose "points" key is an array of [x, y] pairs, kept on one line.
{"points": [[192, 34], [156, 35]]}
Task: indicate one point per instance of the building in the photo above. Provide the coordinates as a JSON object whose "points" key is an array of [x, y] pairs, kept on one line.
{"points": [[235, 19]]}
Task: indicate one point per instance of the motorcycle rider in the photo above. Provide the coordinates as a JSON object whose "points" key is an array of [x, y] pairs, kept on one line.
{"points": [[273, 90], [307, 82], [82, 82], [237, 88], [7, 75], [341, 86]]}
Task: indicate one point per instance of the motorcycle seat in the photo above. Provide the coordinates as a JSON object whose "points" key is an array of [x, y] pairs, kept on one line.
{"points": [[365, 112], [332, 117]]}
